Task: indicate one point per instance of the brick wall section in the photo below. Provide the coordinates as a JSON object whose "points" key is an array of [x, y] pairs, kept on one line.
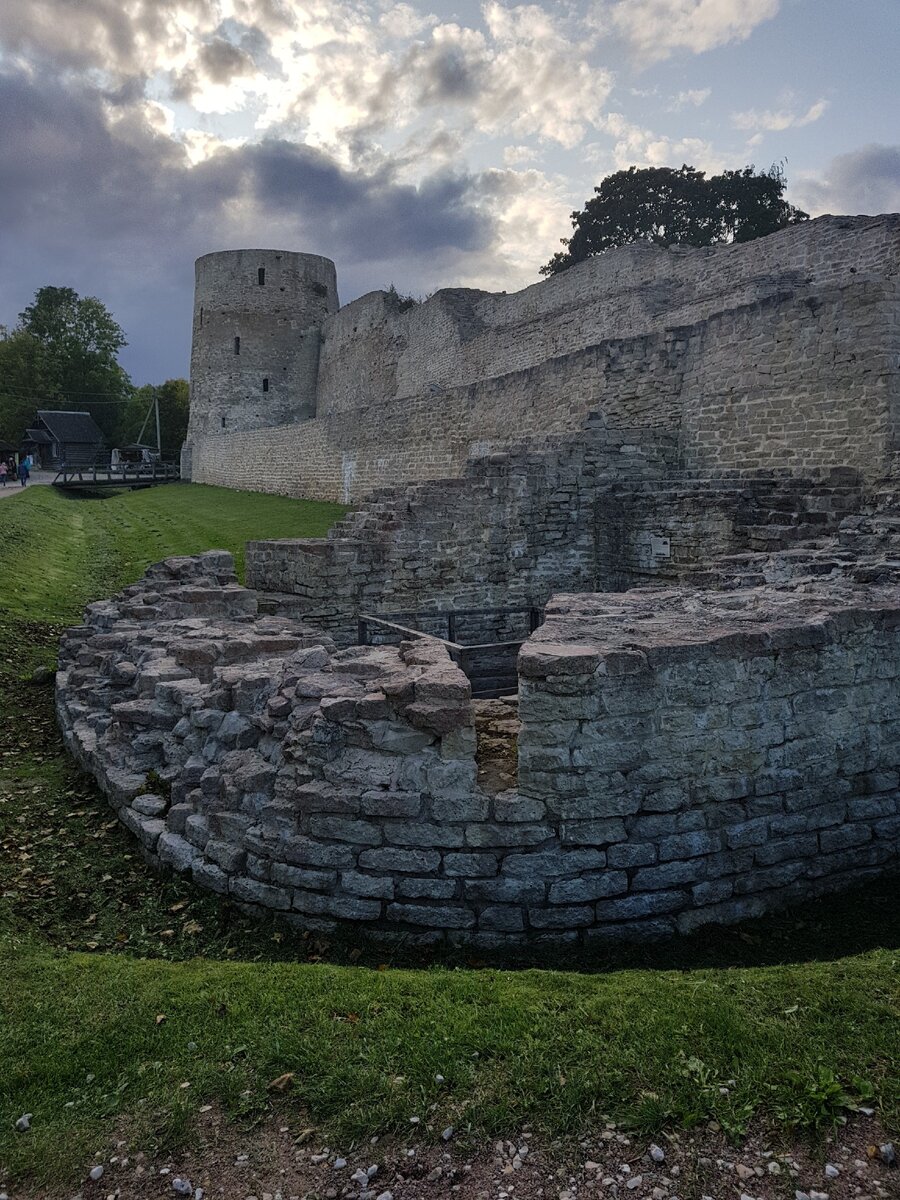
{"points": [[683, 759], [777, 353]]}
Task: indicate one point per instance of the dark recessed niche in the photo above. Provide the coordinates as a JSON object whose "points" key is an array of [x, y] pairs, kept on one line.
{"points": [[261, 276], [223, 422], [201, 316], [265, 385], [320, 289], [237, 345]]}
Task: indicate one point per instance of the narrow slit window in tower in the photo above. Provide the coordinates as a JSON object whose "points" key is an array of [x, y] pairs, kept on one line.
{"points": [[201, 317], [223, 422], [237, 345], [265, 385], [261, 276]]}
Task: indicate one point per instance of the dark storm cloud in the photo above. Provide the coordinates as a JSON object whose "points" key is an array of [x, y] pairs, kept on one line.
{"points": [[864, 181], [218, 61], [111, 206], [91, 33]]}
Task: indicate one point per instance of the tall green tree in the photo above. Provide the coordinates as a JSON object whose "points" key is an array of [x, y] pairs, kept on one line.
{"points": [[79, 342], [665, 206], [21, 380]]}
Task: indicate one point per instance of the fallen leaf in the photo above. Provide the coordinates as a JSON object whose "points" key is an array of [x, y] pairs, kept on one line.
{"points": [[282, 1083], [160, 1017]]}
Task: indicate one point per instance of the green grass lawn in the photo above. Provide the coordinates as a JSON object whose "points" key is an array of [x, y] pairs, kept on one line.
{"points": [[120, 986], [59, 552]]}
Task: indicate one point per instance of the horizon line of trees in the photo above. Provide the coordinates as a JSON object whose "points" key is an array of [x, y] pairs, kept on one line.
{"points": [[63, 354]]}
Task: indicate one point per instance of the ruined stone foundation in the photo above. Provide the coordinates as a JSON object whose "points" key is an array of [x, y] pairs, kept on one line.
{"points": [[684, 757]]}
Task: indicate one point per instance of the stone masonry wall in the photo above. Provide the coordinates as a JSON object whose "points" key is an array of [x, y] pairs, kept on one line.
{"points": [[734, 750], [776, 353], [515, 528], [683, 758]]}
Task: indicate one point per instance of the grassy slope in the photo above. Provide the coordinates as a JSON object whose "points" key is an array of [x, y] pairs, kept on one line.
{"points": [[58, 553], [94, 947]]}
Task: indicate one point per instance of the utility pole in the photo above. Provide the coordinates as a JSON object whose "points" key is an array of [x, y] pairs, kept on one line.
{"points": [[158, 438]]}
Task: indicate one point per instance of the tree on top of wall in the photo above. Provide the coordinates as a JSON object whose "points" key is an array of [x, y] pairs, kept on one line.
{"points": [[664, 206]]}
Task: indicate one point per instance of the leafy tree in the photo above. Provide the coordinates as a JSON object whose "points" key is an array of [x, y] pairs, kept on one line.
{"points": [[78, 341], [21, 380], [668, 207], [173, 414]]}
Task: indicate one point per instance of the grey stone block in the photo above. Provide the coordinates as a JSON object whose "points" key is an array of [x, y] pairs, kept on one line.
{"points": [[631, 854], [543, 864], [588, 887], [390, 858], [301, 877], [592, 833], [471, 865], [570, 917], [423, 833], [506, 891], [488, 834], [844, 838], [667, 875], [361, 833], [689, 845], [253, 891], [374, 886], [175, 852], [460, 808], [502, 917], [426, 889], [208, 875], [436, 915], [634, 907]]}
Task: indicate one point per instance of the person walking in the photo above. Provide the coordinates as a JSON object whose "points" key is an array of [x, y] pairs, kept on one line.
{"points": [[4, 471], [23, 472]]}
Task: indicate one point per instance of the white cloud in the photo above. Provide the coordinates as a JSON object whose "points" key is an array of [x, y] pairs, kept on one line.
{"points": [[656, 29], [635, 146], [692, 98], [775, 120]]}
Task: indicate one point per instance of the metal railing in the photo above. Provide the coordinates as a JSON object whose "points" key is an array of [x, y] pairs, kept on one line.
{"points": [[124, 475]]}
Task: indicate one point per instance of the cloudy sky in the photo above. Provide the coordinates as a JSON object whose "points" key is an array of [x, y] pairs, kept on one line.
{"points": [[422, 143]]}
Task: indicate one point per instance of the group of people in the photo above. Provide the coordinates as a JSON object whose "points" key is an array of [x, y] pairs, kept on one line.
{"points": [[9, 470]]}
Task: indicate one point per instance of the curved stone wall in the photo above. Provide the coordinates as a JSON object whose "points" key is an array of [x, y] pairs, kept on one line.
{"points": [[684, 758], [256, 338]]}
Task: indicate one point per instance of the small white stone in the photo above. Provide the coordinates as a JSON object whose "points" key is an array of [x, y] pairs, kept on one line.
{"points": [[634, 1182], [24, 1123], [657, 1153], [96, 1173], [339, 1164], [832, 1171], [183, 1187], [438, 1079], [447, 1133], [385, 1196]]}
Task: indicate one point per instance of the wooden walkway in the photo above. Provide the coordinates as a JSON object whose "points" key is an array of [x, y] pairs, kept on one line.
{"points": [[92, 479]]}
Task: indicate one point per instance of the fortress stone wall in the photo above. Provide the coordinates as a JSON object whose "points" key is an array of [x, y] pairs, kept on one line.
{"points": [[774, 354], [661, 488]]}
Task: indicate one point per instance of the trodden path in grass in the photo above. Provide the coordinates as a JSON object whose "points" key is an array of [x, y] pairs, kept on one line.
{"points": [[133, 1005]]}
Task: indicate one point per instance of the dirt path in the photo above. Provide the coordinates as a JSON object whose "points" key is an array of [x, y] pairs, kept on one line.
{"points": [[14, 488], [278, 1162]]}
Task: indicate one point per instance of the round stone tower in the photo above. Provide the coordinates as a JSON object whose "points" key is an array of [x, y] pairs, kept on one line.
{"points": [[255, 349]]}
